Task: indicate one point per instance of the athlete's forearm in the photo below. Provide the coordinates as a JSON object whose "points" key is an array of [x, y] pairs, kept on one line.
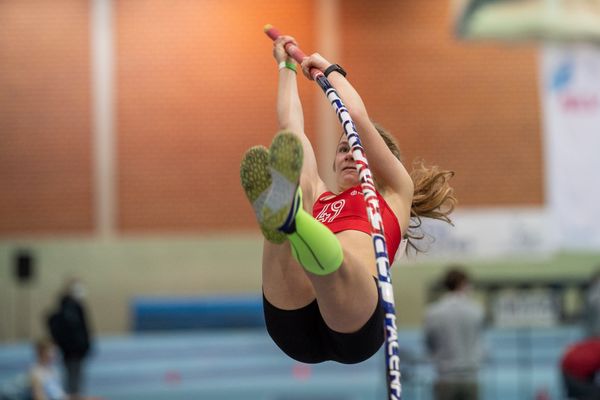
{"points": [[289, 107], [349, 95], [384, 165], [358, 111], [291, 118], [345, 90]]}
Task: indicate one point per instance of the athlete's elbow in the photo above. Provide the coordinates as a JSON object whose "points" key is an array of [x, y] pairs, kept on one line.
{"points": [[291, 126], [283, 124], [408, 184]]}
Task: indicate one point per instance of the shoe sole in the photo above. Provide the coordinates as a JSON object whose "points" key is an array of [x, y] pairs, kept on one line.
{"points": [[255, 177], [285, 162]]}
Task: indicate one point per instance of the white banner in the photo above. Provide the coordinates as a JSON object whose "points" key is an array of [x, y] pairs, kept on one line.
{"points": [[525, 308], [570, 82], [488, 233]]}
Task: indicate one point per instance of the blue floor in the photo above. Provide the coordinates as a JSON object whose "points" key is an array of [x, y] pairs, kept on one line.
{"points": [[227, 365]]}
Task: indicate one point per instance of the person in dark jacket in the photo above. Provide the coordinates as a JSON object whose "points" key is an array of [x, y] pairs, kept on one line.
{"points": [[69, 329]]}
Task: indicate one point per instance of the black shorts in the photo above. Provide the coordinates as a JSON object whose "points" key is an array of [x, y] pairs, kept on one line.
{"points": [[303, 335]]}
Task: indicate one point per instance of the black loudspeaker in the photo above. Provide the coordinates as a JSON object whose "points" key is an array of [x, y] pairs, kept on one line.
{"points": [[24, 268]]}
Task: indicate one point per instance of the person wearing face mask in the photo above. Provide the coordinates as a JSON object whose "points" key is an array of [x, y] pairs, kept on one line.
{"points": [[320, 294], [69, 329]]}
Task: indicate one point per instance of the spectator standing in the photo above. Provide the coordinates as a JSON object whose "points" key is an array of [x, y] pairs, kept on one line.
{"points": [[69, 329], [453, 336]]}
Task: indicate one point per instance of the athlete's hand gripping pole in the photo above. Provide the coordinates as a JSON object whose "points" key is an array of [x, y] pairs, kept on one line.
{"points": [[292, 50], [370, 195]]}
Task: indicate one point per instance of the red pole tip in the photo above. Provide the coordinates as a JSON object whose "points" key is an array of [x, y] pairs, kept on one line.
{"points": [[267, 27]]}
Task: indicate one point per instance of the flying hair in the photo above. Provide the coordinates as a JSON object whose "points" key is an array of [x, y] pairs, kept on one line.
{"points": [[433, 196]]}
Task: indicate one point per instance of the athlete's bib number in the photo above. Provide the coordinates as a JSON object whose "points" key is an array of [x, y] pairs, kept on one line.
{"points": [[330, 211]]}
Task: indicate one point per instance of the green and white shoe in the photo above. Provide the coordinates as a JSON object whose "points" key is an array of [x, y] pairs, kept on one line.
{"points": [[256, 181], [284, 197]]}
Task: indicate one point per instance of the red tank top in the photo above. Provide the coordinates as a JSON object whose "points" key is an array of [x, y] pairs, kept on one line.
{"points": [[347, 212]]}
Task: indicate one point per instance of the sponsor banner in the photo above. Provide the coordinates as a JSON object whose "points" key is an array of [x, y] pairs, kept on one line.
{"points": [[570, 82], [525, 308], [489, 233]]}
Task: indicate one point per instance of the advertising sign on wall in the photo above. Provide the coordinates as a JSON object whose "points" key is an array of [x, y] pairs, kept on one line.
{"points": [[570, 82]]}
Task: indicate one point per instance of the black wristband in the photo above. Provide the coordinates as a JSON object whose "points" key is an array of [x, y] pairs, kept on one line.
{"points": [[334, 67]]}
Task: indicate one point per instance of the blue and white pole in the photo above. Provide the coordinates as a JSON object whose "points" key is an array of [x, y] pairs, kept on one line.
{"points": [[392, 351]]}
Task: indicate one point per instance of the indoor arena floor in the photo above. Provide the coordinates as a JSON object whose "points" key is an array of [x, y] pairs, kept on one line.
{"points": [[244, 364]]}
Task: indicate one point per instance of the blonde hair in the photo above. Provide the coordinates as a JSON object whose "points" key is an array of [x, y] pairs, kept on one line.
{"points": [[433, 196]]}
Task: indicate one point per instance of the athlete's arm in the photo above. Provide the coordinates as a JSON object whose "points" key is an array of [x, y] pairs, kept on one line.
{"points": [[389, 171], [290, 116]]}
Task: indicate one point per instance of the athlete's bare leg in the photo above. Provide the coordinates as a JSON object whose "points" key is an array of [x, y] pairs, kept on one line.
{"points": [[347, 297]]}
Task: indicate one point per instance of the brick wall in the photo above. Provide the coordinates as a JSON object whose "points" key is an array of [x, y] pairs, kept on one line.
{"points": [[196, 87], [45, 151], [469, 107]]}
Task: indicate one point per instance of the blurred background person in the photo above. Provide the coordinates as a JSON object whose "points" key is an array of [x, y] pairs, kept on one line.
{"points": [[69, 328], [591, 316], [580, 366], [580, 363], [45, 382], [453, 335]]}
